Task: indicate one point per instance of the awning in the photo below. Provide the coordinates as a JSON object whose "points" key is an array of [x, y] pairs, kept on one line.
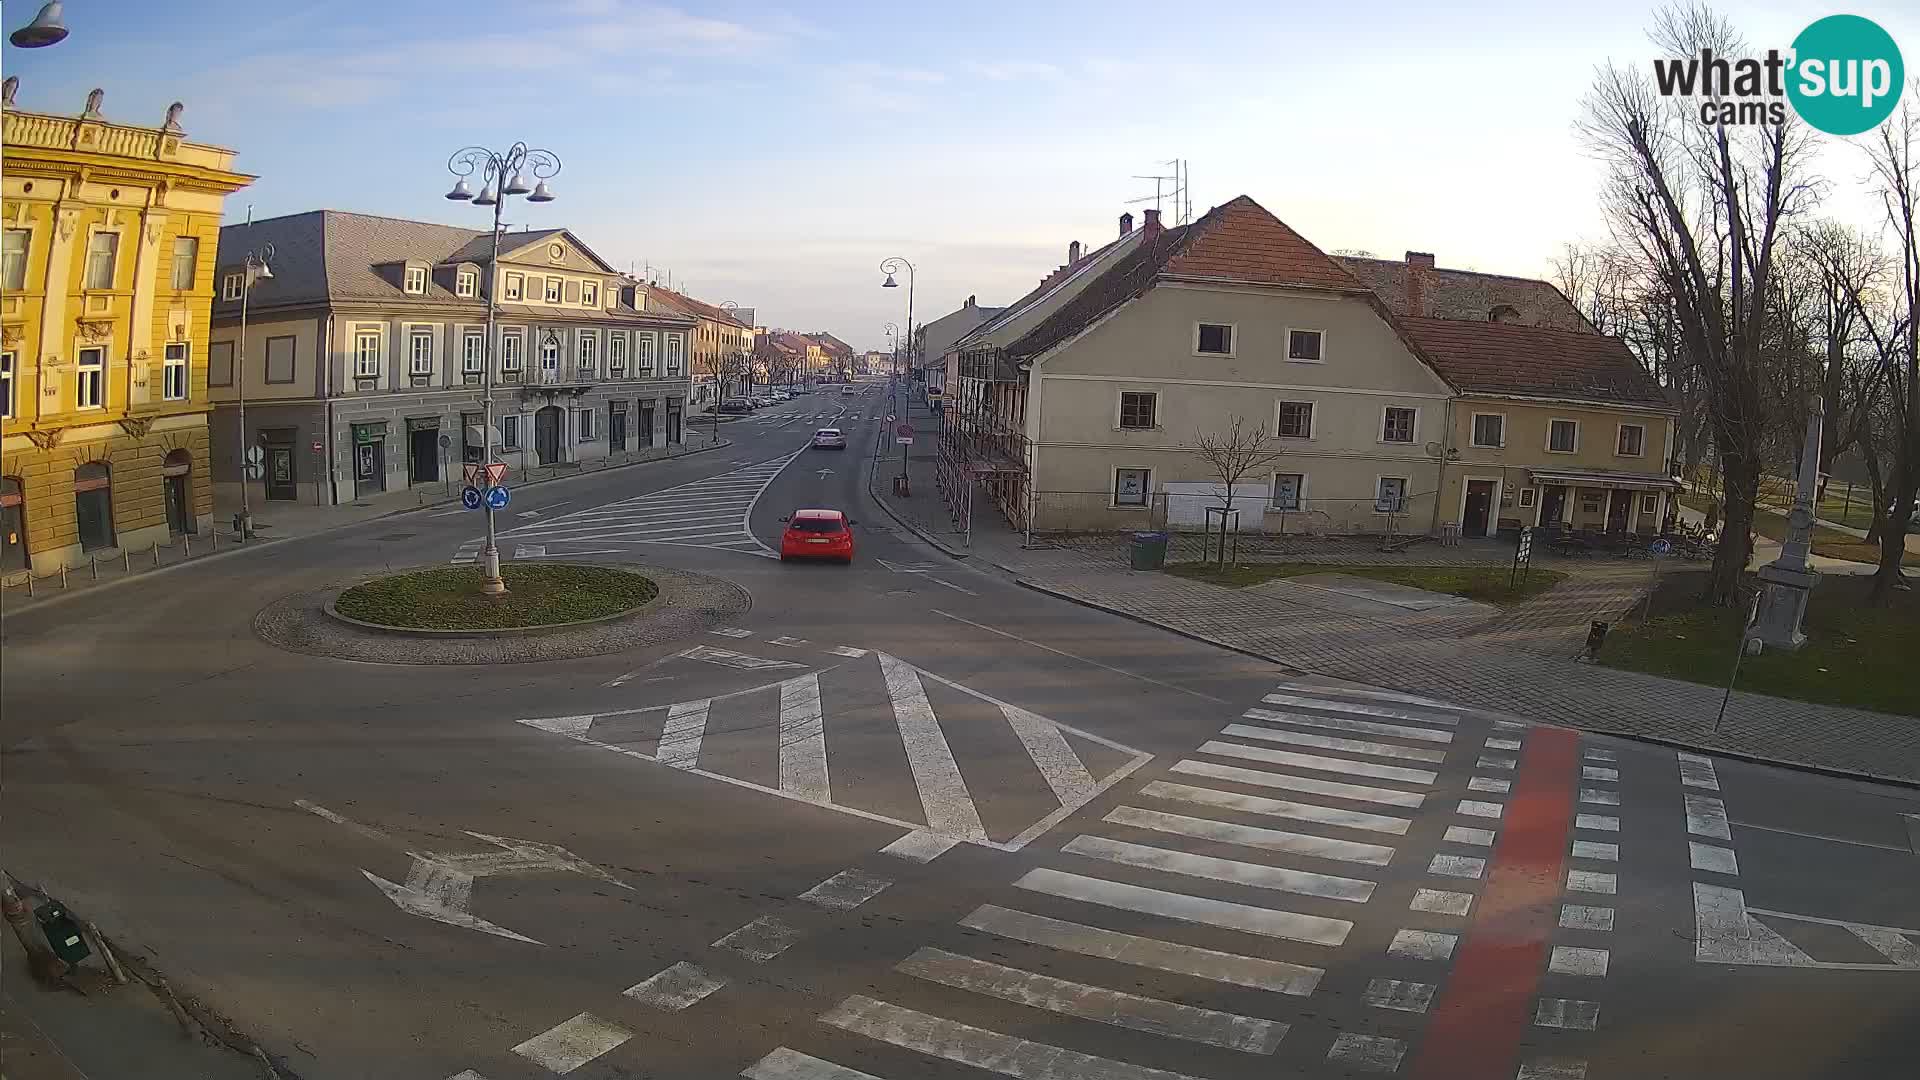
{"points": [[1607, 478]]}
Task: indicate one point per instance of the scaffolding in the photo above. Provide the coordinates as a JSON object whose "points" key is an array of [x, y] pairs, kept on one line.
{"points": [[983, 450]]}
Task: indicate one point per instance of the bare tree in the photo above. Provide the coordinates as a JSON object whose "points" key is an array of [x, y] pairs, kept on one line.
{"points": [[1242, 450], [1703, 207], [723, 367], [1844, 272]]}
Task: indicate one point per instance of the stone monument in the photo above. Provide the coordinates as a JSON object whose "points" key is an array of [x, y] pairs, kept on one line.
{"points": [[1786, 581]]}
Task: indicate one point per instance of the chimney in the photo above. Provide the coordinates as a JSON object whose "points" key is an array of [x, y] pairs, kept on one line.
{"points": [[1418, 263], [973, 301], [1073, 253], [1150, 228], [1126, 224]]}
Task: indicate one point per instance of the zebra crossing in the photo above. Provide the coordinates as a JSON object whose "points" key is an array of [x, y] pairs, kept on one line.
{"points": [[875, 737], [710, 513], [1236, 878]]}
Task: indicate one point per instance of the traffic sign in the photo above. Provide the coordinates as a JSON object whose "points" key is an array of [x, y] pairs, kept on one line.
{"points": [[470, 497], [904, 440], [889, 418], [497, 498], [474, 471], [1660, 548], [319, 447], [496, 471], [905, 431], [255, 455], [255, 471]]}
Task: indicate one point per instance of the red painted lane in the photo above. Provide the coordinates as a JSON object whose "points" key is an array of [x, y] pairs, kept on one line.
{"points": [[1483, 1009]]}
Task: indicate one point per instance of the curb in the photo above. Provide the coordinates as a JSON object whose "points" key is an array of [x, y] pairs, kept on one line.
{"points": [[434, 634], [1656, 740], [873, 467]]}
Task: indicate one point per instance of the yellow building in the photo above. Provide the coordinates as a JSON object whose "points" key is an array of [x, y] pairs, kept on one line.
{"points": [[111, 232]]}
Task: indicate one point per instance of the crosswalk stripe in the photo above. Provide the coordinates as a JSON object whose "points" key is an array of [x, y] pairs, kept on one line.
{"points": [[1255, 973], [567, 1046], [1118, 1008], [983, 1049], [1358, 727], [803, 740], [943, 792], [1355, 707], [1319, 764], [1318, 847], [1707, 816], [1200, 910], [787, 1064], [685, 728], [1289, 782], [675, 988], [847, 890], [1380, 695], [1328, 742], [1047, 745], [1254, 804], [1258, 875]]}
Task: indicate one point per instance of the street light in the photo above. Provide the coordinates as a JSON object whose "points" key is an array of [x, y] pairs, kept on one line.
{"points": [[47, 28], [254, 267], [891, 267], [508, 171]]}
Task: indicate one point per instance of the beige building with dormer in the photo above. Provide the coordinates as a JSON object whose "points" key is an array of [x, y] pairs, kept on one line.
{"points": [[107, 275]]}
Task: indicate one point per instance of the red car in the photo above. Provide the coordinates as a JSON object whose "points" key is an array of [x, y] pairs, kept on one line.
{"points": [[817, 534]]}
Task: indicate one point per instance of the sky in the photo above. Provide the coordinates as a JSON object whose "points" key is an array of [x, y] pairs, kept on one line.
{"points": [[772, 155]]}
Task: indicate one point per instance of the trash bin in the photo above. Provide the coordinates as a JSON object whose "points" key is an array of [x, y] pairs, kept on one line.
{"points": [[1149, 550]]}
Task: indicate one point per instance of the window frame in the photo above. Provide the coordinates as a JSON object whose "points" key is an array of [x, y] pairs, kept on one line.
{"points": [[617, 354], [98, 382], [113, 262], [192, 257], [1649, 502], [1153, 410], [1413, 425], [583, 425], [513, 356], [9, 262], [1378, 481], [552, 290], [1292, 359], [231, 286], [1529, 497], [212, 348], [7, 360], [510, 431], [1280, 412], [593, 287], [466, 284], [550, 342], [1619, 433], [473, 353], [676, 348], [361, 354], [176, 368], [413, 276], [293, 360], [644, 353], [1233, 339], [1575, 447], [515, 288], [1299, 494], [1473, 431], [1146, 488], [586, 356]]}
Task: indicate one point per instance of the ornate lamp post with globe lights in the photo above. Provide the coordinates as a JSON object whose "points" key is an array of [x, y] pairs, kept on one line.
{"points": [[502, 175], [891, 267]]}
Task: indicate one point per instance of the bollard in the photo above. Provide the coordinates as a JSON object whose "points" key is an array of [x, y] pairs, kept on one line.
{"points": [[29, 583], [63, 574], [156, 554], [186, 546], [99, 944], [93, 567], [126, 560], [46, 967]]}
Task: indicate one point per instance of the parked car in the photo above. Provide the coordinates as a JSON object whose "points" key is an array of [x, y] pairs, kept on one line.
{"points": [[849, 390], [735, 405], [817, 534], [829, 438]]}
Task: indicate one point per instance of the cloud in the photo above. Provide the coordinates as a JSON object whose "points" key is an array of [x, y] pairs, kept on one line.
{"points": [[1018, 71]]}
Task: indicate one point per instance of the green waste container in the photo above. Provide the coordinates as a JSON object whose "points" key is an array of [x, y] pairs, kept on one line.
{"points": [[1149, 550]]}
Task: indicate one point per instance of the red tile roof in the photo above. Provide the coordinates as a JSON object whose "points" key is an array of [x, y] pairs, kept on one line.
{"points": [[690, 306], [1468, 294], [1507, 359]]}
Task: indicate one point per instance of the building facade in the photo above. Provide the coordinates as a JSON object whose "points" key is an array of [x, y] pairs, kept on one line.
{"points": [[365, 356], [722, 340], [110, 234]]}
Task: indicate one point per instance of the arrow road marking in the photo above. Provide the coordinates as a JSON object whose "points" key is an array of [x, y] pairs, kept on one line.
{"points": [[824, 473], [440, 885]]}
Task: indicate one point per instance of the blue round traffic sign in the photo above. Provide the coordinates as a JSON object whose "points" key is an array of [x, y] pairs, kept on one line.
{"points": [[1661, 547], [470, 498], [497, 498]]}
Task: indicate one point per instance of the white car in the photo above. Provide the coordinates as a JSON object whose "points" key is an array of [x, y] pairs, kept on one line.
{"points": [[829, 438], [849, 390]]}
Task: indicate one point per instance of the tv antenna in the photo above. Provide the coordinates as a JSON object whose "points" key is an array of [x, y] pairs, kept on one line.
{"points": [[1170, 187]]}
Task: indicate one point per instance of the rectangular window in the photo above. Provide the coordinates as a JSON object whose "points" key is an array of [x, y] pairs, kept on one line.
{"points": [[590, 293], [1391, 496], [420, 353], [90, 376], [550, 356], [675, 343], [1563, 436], [230, 287], [1527, 497], [589, 358], [1398, 425], [6, 385], [643, 347], [516, 286], [1633, 440], [1306, 345], [464, 282], [1489, 430], [510, 355], [220, 364], [280, 359], [1286, 490], [473, 355], [1137, 411], [1214, 338], [173, 373], [186, 260], [510, 433], [13, 259], [1296, 419], [553, 290], [366, 354], [1130, 486], [103, 250], [617, 354], [1649, 504], [416, 280], [584, 423]]}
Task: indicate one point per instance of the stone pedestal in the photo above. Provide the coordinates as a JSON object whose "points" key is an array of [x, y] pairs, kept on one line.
{"points": [[1783, 604]]}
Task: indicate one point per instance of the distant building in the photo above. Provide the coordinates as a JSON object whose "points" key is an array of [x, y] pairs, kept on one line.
{"points": [[937, 338], [722, 338]]}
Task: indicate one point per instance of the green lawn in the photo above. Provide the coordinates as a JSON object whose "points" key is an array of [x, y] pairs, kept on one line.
{"points": [[538, 594], [1829, 542], [1487, 584], [1855, 655]]}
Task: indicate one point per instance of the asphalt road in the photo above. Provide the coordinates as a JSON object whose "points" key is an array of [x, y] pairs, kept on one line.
{"points": [[908, 819]]}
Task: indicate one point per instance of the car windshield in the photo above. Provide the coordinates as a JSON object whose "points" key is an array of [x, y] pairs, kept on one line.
{"points": [[816, 525], [828, 431]]}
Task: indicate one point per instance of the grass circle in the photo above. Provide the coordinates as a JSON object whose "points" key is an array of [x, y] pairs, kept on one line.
{"points": [[538, 594]]}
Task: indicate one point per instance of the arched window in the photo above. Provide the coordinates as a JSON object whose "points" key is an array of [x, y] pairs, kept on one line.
{"points": [[1504, 313], [13, 524], [93, 505]]}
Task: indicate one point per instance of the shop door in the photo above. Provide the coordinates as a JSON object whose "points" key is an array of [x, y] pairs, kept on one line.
{"points": [[1553, 503], [1619, 505], [424, 455], [617, 430], [1479, 507], [548, 424], [673, 422], [13, 525], [179, 499], [369, 467], [283, 484], [646, 423]]}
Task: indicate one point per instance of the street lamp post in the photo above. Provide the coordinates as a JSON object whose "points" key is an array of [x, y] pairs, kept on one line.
{"points": [[253, 268], [502, 175], [891, 267]]}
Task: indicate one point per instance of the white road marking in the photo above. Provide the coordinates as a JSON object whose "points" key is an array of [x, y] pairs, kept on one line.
{"points": [[846, 890], [708, 654], [1495, 761], [1904, 849], [1712, 857], [1552, 1069], [847, 650], [1358, 727], [675, 988], [1596, 822], [1047, 746], [786, 1064], [1476, 808], [1460, 866], [1328, 742], [1289, 782], [1599, 797], [1319, 847], [732, 632], [681, 736], [789, 642], [571, 726], [1091, 663], [1591, 772], [1280, 879], [1267, 922], [1259, 974], [1698, 772], [569, 1045], [1318, 764], [1152, 1015], [1254, 804], [1592, 881], [367, 831], [1399, 995], [1378, 695], [1707, 816], [803, 741], [943, 791], [1594, 753], [1489, 785], [1585, 917], [530, 551], [1573, 960], [1567, 1014], [953, 1041], [1502, 744], [951, 585], [1368, 1053], [1329, 704], [1461, 834], [1441, 902], [920, 847], [1593, 849], [760, 940]]}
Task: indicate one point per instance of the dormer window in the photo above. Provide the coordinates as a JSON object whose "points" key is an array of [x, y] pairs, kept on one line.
{"points": [[415, 281], [590, 293], [465, 282], [553, 290], [1504, 313]]}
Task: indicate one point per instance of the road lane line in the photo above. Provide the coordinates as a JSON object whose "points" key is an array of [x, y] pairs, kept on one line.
{"points": [[1377, 695], [983, 1049], [1902, 848], [367, 831], [1358, 727], [1328, 742], [1318, 847], [787, 1064], [846, 890], [1266, 922], [1081, 659], [1295, 980], [1289, 782], [803, 740], [567, 1046], [943, 792], [675, 988], [1258, 875], [1317, 763], [1254, 804], [681, 736], [1481, 1015], [1330, 705], [1047, 745]]}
